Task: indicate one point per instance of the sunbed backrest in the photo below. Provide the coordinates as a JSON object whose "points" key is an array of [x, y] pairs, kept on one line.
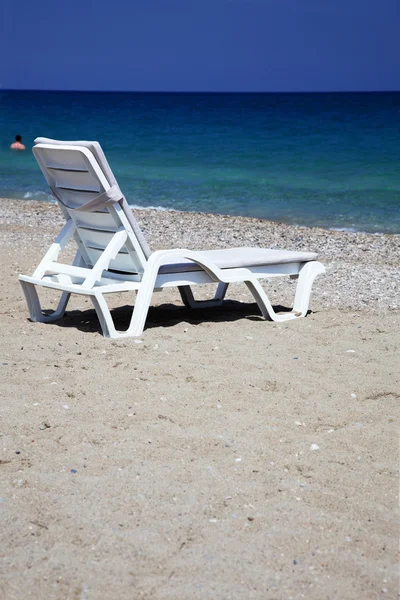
{"points": [[76, 178]]}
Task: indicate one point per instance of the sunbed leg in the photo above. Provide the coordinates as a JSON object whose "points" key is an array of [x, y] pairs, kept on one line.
{"points": [[262, 299], [190, 302], [138, 318], [221, 291], [142, 305], [104, 316], [302, 297], [303, 290], [62, 305], [35, 309]]}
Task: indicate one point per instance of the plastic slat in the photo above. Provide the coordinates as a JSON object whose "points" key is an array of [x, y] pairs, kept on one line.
{"points": [[122, 262]]}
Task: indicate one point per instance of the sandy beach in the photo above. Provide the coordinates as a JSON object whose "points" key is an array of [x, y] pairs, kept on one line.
{"points": [[219, 456]]}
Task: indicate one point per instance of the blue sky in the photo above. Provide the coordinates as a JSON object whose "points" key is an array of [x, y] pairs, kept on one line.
{"points": [[205, 45]]}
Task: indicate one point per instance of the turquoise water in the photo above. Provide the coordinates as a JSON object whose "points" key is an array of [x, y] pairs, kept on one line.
{"points": [[330, 160]]}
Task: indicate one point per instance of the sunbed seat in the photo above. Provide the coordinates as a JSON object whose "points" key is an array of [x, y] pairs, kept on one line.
{"points": [[231, 258]]}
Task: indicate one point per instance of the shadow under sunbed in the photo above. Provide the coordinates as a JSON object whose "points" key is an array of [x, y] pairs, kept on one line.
{"points": [[166, 315]]}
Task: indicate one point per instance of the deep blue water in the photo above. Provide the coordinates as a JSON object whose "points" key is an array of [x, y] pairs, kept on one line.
{"points": [[330, 160]]}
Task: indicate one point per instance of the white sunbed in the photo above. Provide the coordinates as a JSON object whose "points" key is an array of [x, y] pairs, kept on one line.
{"points": [[113, 255]]}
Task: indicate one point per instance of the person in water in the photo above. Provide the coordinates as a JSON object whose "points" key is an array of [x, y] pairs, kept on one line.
{"points": [[17, 145]]}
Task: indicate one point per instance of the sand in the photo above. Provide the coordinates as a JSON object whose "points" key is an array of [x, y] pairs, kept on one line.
{"points": [[219, 456]]}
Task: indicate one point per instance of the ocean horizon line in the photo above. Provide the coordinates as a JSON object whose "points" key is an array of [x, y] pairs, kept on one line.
{"points": [[208, 92]]}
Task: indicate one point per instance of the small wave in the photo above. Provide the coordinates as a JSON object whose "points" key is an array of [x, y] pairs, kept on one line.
{"points": [[355, 230], [39, 195], [160, 208], [348, 229], [178, 210]]}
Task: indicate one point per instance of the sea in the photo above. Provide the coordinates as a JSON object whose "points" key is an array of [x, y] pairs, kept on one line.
{"points": [[330, 160]]}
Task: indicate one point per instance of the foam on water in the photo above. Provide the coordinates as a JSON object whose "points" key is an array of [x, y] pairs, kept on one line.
{"points": [[38, 195], [159, 208]]}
